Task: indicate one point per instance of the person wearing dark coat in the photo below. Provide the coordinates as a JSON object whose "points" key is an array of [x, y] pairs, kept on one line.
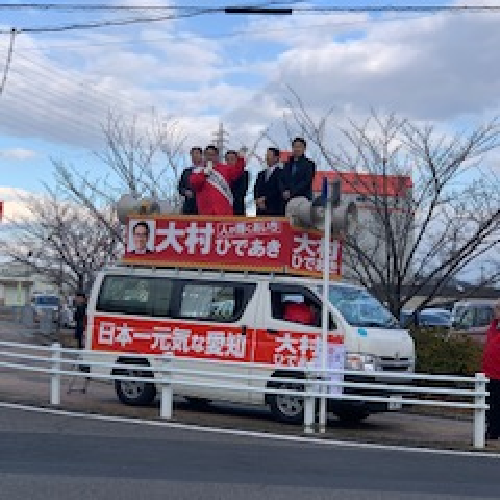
{"points": [[297, 174], [239, 187], [184, 188], [266, 191], [80, 318]]}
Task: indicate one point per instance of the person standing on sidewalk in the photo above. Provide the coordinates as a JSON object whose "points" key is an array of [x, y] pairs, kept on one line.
{"points": [[80, 318], [491, 368]]}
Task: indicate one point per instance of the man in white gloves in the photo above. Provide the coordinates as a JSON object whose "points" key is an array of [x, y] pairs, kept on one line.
{"points": [[212, 183]]}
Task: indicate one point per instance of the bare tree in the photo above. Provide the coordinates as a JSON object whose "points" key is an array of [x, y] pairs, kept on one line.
{"points": [[430, 204], [141, 157], [61, 241]]}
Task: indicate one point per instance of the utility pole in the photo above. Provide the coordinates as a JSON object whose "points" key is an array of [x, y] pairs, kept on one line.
{"points": [[220, 139]]}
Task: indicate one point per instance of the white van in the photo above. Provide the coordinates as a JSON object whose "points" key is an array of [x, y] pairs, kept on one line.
{"points": [[232, 316], [472, 317]]}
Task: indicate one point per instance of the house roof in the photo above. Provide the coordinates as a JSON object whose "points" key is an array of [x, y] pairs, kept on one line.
{"points": [[359, 183], [366, 184]]}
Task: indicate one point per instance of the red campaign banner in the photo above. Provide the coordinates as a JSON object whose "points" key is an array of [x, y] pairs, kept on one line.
{"points": [[214, 341], [307, 254], [262, 243]]}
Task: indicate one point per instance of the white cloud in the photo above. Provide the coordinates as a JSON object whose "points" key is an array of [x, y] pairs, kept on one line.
{"points": [[306, 30], [17, 154], [431, 68]]}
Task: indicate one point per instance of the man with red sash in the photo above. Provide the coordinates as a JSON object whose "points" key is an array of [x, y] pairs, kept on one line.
{"points": [[212, 183]]}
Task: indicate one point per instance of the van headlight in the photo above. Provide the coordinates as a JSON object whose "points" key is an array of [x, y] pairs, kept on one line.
{"points": [[361, 362]]}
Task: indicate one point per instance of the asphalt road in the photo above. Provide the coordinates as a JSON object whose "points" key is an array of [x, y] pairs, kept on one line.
{"points": [[388, 428], [51, 456]]}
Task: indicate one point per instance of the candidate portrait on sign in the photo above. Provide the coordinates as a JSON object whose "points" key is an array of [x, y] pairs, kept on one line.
{"points": [[141, 237]]}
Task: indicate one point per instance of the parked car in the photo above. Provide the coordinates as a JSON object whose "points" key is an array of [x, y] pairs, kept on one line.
{"points": [[446, 313], [424, 318], [44, 304], [472, 317]]}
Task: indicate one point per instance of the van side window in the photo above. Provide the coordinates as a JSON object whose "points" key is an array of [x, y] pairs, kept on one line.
{"points": [[296, 304], [222, 302], [126, 295]]}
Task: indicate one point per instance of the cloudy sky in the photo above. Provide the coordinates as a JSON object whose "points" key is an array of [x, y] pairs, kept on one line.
{"points": [[440, 68]]}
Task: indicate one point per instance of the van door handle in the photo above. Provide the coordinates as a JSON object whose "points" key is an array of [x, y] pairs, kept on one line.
{"points": [[272, 330]]}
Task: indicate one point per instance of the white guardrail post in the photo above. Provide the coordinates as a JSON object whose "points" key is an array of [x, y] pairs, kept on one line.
{"points": [[55, 377], [479, 413], [309, 408], [166, 390]]}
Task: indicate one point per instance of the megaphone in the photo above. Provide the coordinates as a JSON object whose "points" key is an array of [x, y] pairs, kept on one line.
{"points": [[128, 206], [311, 215]]}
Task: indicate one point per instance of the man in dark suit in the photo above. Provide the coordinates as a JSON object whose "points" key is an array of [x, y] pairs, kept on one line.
{"points": [[266, 191], [297, 174], [189, 205], [239, 187]]}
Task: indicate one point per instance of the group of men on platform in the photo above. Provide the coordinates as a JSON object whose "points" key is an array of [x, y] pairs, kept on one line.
{"points": [[210, 187]]}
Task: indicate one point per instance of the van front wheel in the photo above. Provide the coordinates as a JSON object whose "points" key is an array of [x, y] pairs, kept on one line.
{"points": [[135, 393], [286, 408]]}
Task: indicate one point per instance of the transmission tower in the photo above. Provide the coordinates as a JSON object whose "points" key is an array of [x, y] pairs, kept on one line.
{"points": [[220, 139]]}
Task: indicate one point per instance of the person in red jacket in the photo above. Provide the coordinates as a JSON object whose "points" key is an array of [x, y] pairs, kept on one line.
{"points": [[298, 313], [491, 368], [212, 183]]}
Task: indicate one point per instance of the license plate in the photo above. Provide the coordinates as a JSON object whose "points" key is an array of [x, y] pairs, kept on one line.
{"points": [[394, 403]]}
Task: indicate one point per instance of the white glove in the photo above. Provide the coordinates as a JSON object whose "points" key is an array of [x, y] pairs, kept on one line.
{"points": [[208, 168], [243, 152]]}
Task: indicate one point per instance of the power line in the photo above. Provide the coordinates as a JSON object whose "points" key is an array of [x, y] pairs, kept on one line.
{"points": [[255, 8], [117, 22], [194, 11], [122, 7], [10, 50], [221, 36], [378, 9]]}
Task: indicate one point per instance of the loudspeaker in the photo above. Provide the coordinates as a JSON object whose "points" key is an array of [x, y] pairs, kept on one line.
{"points": [[128, 206], [305, 213]]}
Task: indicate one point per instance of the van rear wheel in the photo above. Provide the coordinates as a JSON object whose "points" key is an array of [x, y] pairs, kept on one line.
{"points": [[135, 393], [286, 408]]}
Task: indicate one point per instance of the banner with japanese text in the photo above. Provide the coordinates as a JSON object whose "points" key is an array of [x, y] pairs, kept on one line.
{"points": [[217, 341], [254, 244]]}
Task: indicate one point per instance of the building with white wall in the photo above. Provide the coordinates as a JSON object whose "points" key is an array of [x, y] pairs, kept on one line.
{"points": [[18, 283], [374, 195]]}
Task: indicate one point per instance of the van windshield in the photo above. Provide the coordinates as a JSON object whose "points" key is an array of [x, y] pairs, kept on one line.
{"points": [[359, 308]]}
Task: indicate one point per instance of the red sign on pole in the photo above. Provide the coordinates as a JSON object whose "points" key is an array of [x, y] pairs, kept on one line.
{"points": [[254, 244]]}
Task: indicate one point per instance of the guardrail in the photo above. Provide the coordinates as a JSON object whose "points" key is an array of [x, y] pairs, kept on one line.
{"points": [[44, 322], [313, 383]]}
